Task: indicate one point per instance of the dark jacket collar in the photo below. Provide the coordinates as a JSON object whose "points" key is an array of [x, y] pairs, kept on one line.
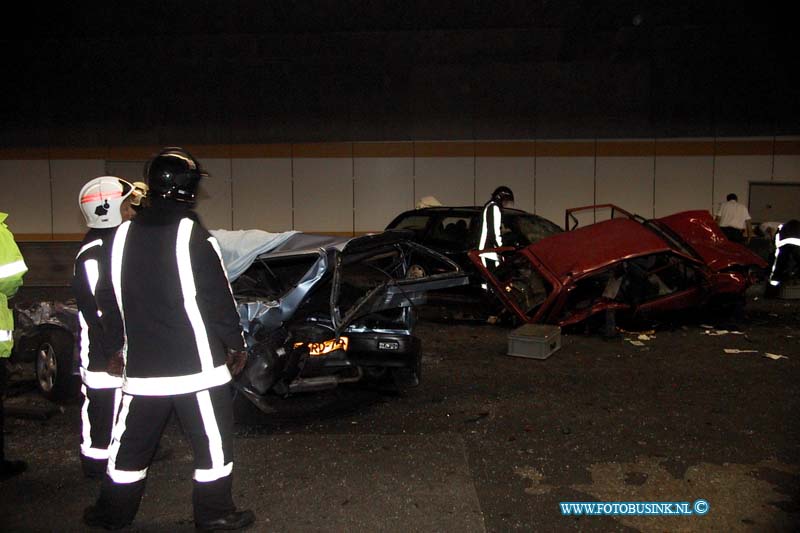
{"points": [[163, 212]]}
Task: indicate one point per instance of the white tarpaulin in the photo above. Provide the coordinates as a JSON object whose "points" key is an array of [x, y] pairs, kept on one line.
{"points": [[241, 247]]}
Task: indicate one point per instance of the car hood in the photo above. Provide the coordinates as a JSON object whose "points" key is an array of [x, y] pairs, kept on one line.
{"points": [[701, 233], [591, 247]]}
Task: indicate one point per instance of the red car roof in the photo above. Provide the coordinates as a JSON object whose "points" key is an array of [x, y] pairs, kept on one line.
{"points": [[595, 246], [700, 231]]}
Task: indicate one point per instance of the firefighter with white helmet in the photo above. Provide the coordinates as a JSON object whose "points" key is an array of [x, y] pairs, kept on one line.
{"points": [[105, 204]]}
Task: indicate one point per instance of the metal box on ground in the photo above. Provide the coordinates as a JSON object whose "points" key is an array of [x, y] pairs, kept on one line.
{"points": [[534, 341]]}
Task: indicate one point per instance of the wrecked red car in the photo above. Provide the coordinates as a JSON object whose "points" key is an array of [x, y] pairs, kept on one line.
{"points": [[626, 264]]}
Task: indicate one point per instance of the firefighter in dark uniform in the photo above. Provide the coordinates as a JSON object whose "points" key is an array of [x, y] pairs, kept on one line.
{"points": [[105, 204], [491, 219], [786, 263], [182, 342]]}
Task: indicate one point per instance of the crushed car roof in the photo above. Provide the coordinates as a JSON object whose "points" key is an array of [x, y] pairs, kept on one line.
{"points": [[595, 246], [700, 232]]}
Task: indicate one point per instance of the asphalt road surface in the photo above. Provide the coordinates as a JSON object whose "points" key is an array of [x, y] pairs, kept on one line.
{"points": [[487, 442]]}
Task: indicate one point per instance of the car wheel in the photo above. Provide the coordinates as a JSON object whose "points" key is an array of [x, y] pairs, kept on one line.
{"points": [[53, 366]]}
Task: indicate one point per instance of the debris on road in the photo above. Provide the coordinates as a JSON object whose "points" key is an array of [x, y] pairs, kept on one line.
{"points": [[635, 342], [718, 332]]}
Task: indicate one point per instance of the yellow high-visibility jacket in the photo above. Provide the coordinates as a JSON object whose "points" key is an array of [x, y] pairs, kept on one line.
{"points": [[12, 268]]}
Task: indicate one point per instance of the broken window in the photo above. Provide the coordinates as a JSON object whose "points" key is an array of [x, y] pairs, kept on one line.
{"points": [[273, 278], [521, 282], [633, 282], [453, 232]]}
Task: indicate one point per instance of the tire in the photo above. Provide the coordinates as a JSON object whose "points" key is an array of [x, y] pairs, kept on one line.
{"points": [[52, 366]]}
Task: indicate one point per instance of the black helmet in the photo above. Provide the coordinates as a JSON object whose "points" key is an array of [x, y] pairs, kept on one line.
{"points": [[174, 174], [502, 194]]}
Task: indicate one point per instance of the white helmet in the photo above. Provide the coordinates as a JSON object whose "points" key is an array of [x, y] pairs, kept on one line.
{"points": [[100, 200]]}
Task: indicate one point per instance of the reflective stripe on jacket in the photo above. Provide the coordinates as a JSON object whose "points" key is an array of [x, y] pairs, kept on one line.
{"points": [[6, 327]]}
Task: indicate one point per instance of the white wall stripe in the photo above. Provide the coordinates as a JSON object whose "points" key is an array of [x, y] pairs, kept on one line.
{"points": [[240, 188]]}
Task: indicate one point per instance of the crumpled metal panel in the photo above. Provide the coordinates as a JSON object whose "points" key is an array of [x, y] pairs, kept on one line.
{"points": [[266, 312], [62, 314], [271, 314]]}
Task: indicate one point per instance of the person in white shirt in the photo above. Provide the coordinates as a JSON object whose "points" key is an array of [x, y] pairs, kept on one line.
{"points": [[734, 220]]}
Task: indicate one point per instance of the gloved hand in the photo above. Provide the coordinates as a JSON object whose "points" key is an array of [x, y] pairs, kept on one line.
{"points": [[236, 359], [116, 363]]}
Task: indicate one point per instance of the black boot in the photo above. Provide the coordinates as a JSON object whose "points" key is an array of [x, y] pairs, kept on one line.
{"points": [[95, 517], [9, 469]]}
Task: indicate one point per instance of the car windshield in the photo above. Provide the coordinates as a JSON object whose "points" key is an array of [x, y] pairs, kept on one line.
{"points": [[459, 230], [454, 231], [668, 235], [414, 223], [528, 229]]}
